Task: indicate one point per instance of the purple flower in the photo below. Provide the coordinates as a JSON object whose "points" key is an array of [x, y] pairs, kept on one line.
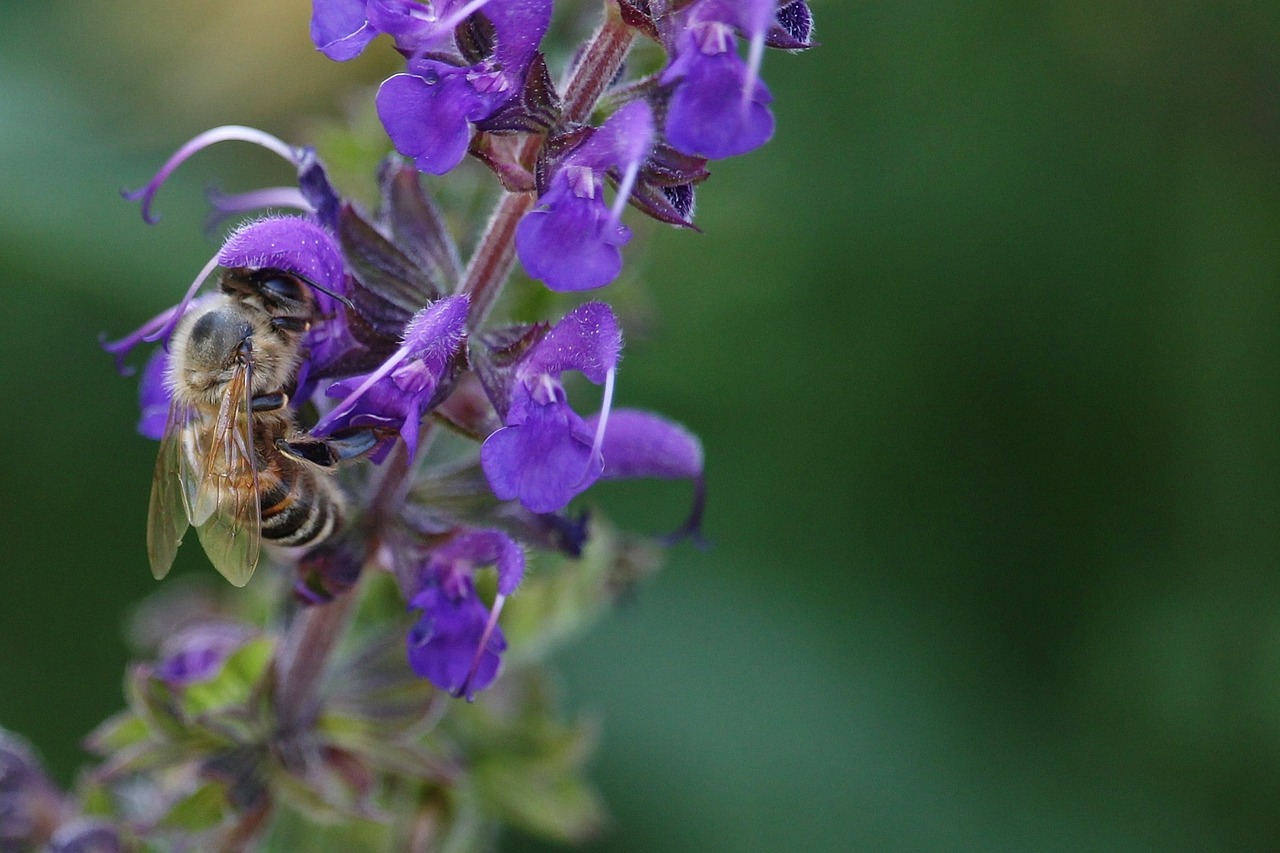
{"points": [[719, 107], [428, 111], [456, 643], [572, 240], [396, 395], [153, 396], [29, 803], [198, 653], [85, 835], [340, 28], [638, 444], [546, 453], [288, 243]]}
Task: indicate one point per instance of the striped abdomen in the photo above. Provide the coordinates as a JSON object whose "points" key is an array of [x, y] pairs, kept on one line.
{"points": [[299, 505]]}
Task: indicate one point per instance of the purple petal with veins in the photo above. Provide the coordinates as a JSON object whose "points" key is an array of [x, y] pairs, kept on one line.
{"points": [[340, 29]]}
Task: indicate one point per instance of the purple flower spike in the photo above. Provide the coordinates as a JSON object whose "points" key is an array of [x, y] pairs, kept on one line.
{"points": [[719, 107], [456, 644], [572, 240], [544, 456], [428, 111], [288, 243], [340, 28], [154, 396], [396, 395]]}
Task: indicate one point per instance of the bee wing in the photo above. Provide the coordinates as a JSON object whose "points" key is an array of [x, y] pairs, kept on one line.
{"points": [[225, 509], [169, 513]]}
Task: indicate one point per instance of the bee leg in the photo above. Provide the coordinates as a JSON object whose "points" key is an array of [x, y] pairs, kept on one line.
{"points": [[327, 452], [290, 324], [269, 402]]}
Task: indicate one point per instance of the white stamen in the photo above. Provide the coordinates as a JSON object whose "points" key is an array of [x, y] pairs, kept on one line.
{"points": [[754, 57], [624, 190], [605, 405], [338, 410], [465, 689], [462, 14]]}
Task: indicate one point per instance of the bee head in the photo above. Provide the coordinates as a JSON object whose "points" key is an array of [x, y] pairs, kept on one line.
{"points": [[217, 339], [277, 292]]}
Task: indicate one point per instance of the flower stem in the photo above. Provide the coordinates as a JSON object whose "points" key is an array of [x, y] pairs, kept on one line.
{"points": [[301, 662], [315, 631], [240, 835], [495, 256]]}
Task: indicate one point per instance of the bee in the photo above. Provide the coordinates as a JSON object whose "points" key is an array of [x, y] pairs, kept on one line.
{"points": [[233, 463]]}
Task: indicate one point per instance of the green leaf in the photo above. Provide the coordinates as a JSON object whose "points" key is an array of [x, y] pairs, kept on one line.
{"points": [[234, 683], [565, 596], [115, 733], [541, 797], [203, 808]]}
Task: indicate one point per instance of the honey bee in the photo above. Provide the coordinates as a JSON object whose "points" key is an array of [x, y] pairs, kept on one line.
{"points": [[233, 463]]}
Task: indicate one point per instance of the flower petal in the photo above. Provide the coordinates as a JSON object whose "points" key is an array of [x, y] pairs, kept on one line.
{"points": [[153, 396], [571, 243], [427, 114], [544, 461], [340, 29], [587, 339], [288, 243], [442, 645], [642, 444], [709, 116]]}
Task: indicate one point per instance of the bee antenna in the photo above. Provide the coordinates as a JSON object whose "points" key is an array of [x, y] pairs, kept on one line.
{"points": [[326, 291]]}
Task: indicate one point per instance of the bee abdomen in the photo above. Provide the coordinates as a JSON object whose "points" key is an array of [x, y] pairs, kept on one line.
{"points": [[299, 511]]}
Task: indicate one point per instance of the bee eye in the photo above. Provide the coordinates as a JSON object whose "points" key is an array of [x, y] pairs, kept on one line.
{"points": [[281, 287]]}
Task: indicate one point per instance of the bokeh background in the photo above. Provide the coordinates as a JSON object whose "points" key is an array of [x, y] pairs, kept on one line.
{"points": [[984, 350]]}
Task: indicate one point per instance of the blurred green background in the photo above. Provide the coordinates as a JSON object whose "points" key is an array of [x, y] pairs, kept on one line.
{"points": [[984, 351]]}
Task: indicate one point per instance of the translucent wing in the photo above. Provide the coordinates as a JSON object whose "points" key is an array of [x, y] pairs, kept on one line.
{"points": [[225, 509], [167, 515]]}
